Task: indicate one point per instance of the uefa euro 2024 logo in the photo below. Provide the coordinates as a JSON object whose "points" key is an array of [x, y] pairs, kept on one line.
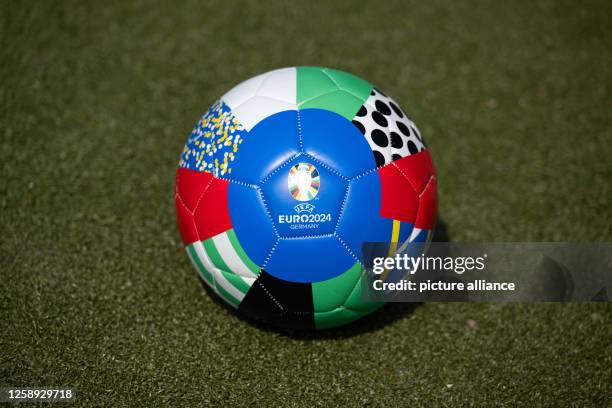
{"points": [[304, 182], [304, 208]]}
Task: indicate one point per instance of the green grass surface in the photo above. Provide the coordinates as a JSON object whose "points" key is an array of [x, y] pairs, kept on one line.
{"points": [[97, 99]]}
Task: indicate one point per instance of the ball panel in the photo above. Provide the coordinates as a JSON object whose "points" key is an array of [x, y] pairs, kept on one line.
{"points": [[341, 102], [262, 96], [355, 303], [309, 259], [362, 220], [184, 217], [225, 290], [280, 84], [212, 214], [258, 108], [389, 132], [241, 259], [344, 315], [350, 83], [316, 216], [251, 222], [329, 294], [417, 169], [270, 144], [428, 205], [226, 284], [333, 140], [190, 185], [312, 82], [197, 262], [330, 89], [227, 254], [214, 141], [243, 91], [230, 285], [279, 302], [399, 199], [338, 317], [403, 190]]}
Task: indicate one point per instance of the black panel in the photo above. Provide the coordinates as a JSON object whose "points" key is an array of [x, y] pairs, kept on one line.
{"points": [[279, 302]]}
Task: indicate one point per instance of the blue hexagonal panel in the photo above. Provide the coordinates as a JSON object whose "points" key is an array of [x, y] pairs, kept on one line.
{"points": [[311, 259], [304, 197], [251, 222], [270, 143]]}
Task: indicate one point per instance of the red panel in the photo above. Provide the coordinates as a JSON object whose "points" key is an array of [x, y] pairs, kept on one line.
{"points": [[428, 205], [185, 222], [212, 213], [399, 200], [417, 168], [402, 182], [191, 184]]}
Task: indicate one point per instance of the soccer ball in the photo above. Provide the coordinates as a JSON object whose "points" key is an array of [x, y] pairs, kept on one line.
{"points": [[282, 181]]}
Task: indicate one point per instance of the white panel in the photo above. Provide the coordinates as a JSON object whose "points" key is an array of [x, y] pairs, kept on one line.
{"points": [[243, 91], [230, 257], [280, 84], [227, 285], [258, 108], [193, 261], [262, 96], [199, 248]]}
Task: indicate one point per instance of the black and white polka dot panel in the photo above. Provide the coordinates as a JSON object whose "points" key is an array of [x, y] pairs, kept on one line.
{"points": [[389, 132]]}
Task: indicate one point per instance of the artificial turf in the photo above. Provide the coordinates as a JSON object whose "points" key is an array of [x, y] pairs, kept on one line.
{"points": [[96, 291]]}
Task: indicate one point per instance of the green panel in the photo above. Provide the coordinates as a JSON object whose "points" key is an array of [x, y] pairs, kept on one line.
{"points": [[330, 89], [236, 281], [338, 301], [227, 296], [351, 83], [341, 102], [201, 269], [337, 317], [243, 256], [312, 82], [213, 254], [343, 315], [328, 295], [355, 302]]}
